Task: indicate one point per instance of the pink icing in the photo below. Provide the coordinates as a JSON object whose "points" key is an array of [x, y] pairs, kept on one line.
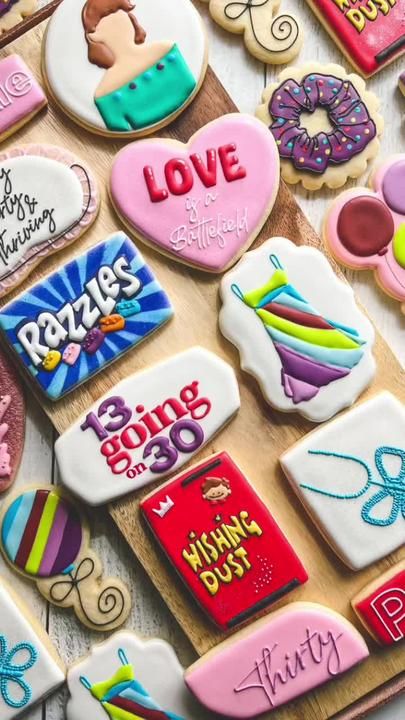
{"points": [[227, 178], [281, 657], [390, 274], [20, 94]]}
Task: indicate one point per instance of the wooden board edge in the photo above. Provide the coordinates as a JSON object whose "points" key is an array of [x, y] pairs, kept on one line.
{"points": [[373, 701], [28, 23]]}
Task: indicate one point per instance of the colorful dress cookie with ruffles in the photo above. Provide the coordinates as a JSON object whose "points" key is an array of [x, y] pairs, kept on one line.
{"points": [[124, 698], [313, 350], [352, 127]]}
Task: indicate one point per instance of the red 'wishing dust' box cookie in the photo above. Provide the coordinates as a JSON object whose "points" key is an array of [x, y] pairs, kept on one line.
{"points": [[223, 541]]}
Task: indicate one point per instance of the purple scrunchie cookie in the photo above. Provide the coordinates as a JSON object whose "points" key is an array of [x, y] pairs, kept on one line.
{"points": [[352, 130]]}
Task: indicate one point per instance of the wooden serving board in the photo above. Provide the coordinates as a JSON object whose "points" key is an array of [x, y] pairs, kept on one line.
{"points": [[257, 436]]}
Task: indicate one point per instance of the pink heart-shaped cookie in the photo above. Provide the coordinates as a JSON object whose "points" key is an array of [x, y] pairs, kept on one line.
{"points": [[202, 203]]}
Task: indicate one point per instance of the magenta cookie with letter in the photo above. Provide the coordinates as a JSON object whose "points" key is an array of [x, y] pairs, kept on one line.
{"points": [[277, 659], [21, 96], [365, 227], [12, 422], [202, 203]]}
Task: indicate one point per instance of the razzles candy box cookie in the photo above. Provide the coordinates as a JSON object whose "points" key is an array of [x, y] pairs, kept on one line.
{"points": [[275, 660], [202, 203], [371, 34], [349, 474], [315, 149], [365, 227], [308, 344], [66, 328], [30, 666], [223, 541], [121, 68]]}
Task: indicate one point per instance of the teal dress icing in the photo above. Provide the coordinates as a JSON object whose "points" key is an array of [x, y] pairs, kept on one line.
{"points": [[150, 97]]}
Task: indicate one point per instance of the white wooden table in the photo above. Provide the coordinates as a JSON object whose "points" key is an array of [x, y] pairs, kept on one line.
{"points": [[244, 78]]}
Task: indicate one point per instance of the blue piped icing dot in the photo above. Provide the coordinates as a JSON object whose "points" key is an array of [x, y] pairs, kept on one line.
{"points": [[296, 91], [325, 141], [331, 82], [312, 77], [335, 90], [171, 57], [290, 145], [357, 110], [341, 120], [281, 121], [350, 146], [117, 97], [319, 160], [357, 137], [308, 89]]}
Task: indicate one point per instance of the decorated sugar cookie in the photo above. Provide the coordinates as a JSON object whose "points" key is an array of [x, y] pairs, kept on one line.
{"points": [[48, 199], [371, 34], [350, 475], [69, 326], [275, 660], [12, 12], [271, 37], [325, 123], [127, 677], [381, 606], [21, 96], [147, 426], [30, 667], [365, 227], [12, 422], [202, 203], [45, 537], [126, 68], [308, 344], [223, 541]]}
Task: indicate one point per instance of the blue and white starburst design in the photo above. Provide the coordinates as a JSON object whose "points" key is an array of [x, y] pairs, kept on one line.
{"points": [[152, 309]]}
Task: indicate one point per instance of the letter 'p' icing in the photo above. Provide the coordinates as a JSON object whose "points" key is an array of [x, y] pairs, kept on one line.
{"points": [[85, 315], [275, 660], [223, 541], [381, 606], [148, 425]]}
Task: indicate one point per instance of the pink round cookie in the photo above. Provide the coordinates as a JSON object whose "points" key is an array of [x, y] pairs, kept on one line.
{"points": [[365, 227], [202, 203], [12, 423]]}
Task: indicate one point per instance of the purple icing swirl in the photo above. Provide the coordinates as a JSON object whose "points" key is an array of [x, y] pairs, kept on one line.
{"points": [[352, 131], [5, 6]]}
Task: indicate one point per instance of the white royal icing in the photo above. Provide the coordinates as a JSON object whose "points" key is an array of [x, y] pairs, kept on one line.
{"points": [[368, 527], [125, 436], [328, 299], [74, 80], [40, 198], [20, 645], [155, 666]]}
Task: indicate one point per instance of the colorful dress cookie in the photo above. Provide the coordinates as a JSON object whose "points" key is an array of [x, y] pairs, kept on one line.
{"points": [[307, 343], [12, 12], [325, 123], [365, 227], [371, 34], [270, 37], [350, 475], [30, 667], [147, 426], [223, 541], [12, 422], [123, 68], [127, 678], [381, 606], [275, 660], [48, 199], [21, 96], [45, 537], [202, 203], [55, 326]]}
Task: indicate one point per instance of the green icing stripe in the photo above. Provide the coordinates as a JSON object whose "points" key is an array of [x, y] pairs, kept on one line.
{"points": [[124, 674], [278, 279], [325, 338]]}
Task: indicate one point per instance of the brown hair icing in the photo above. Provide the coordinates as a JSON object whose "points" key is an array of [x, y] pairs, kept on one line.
{"points": [[94, 11]]}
